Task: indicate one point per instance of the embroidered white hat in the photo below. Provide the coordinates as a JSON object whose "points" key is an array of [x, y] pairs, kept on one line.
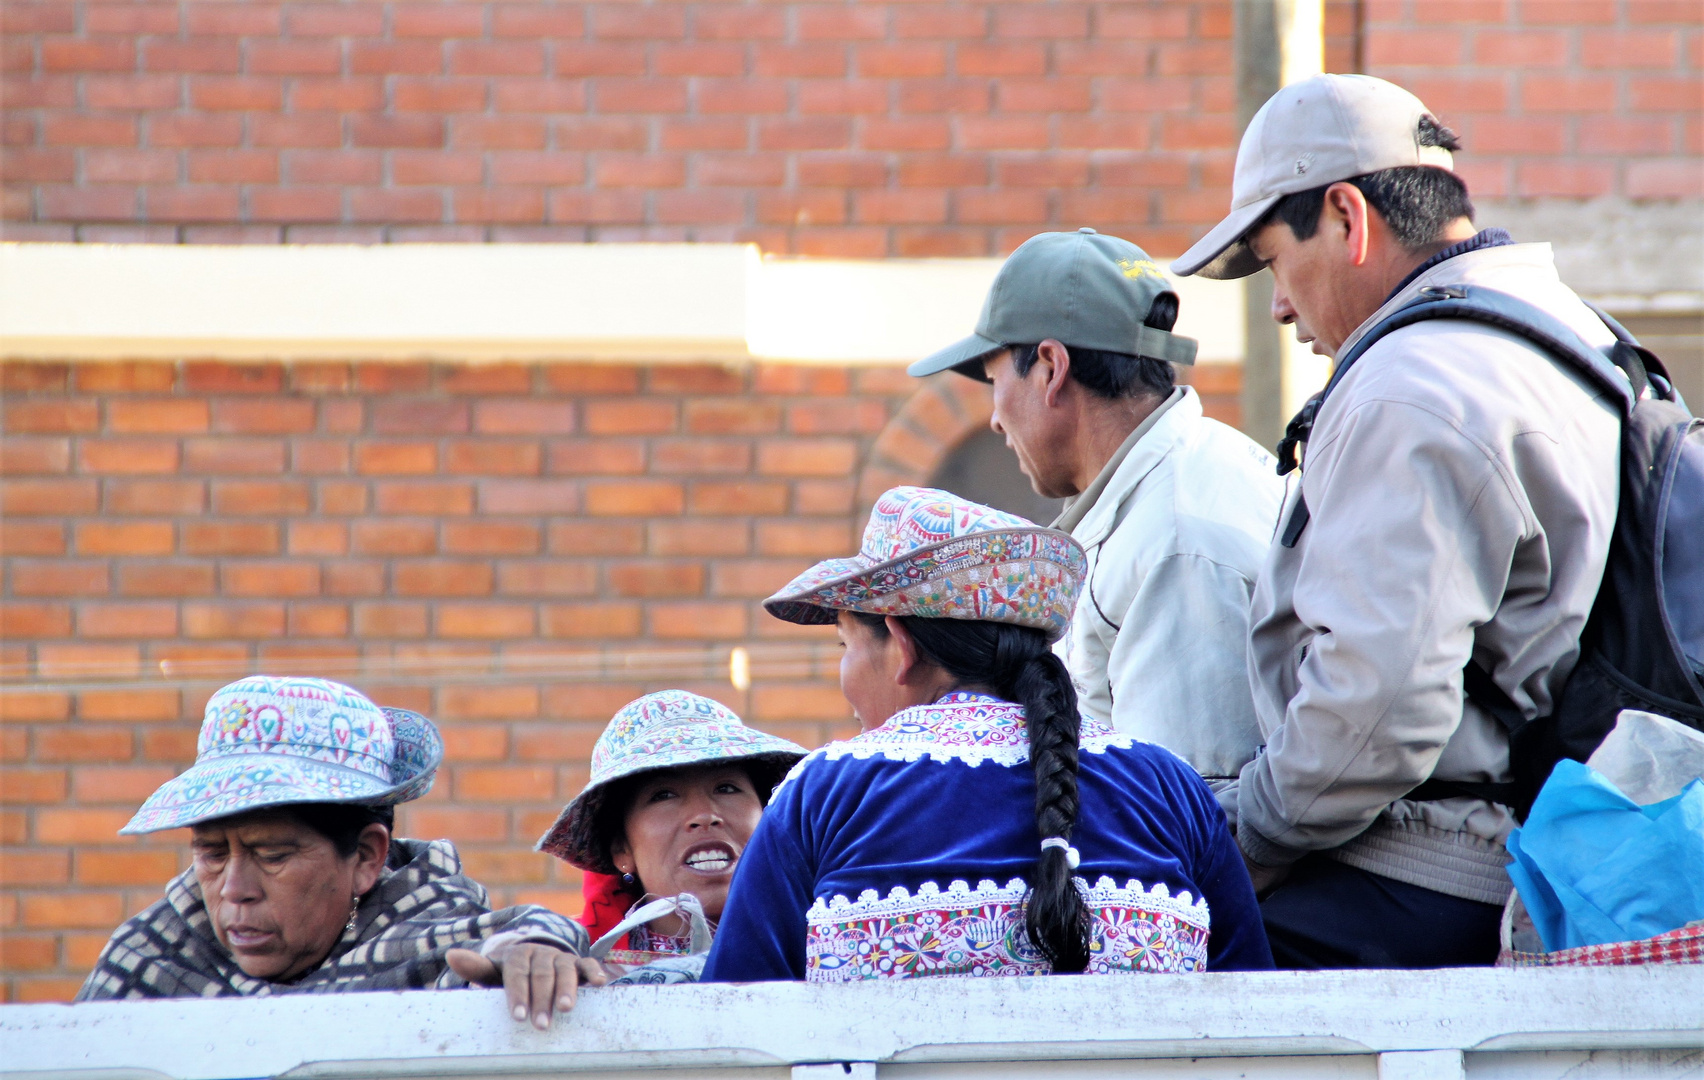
{"points": [[1316, 132], [933, 554], [670, 729], [272, 741]]}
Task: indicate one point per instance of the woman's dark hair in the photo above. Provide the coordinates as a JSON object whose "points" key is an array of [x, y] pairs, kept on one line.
{"points": [[1016, 664], [341, 823], [1114, 375]]}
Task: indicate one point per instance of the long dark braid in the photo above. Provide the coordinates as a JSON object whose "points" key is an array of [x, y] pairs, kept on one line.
{"points": [[1016, 664]]}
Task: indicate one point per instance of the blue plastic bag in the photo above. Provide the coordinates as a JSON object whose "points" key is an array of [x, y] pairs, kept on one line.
{"points": [[1593, 867]]}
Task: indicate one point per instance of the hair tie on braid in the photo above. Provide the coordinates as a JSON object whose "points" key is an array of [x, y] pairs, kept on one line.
{"points": [[1072, 858], [1016, 664]]}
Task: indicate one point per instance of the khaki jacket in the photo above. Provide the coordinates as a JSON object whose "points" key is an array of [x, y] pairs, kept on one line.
{"points": [[1174, 539], [1462, 487]]}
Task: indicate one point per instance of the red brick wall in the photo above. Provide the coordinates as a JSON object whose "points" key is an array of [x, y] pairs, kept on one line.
{"points": [[863, 128], [860, 128], [456, 539], [1556, 98]]}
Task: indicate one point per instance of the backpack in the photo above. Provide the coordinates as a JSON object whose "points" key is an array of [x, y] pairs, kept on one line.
{"points": [[1643, 643]]}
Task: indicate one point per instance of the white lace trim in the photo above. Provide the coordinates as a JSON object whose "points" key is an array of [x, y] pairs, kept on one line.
{"points": [[930, 743], [966, 755], [1103, 893], [929, 751]]}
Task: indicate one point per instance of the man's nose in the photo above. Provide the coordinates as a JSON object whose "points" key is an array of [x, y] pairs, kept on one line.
{"points": [[1283, 312], [994, 422]]}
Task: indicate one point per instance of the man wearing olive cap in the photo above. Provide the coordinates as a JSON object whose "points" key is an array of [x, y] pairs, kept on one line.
{"points": [[1174, 509], [1454, 503]]}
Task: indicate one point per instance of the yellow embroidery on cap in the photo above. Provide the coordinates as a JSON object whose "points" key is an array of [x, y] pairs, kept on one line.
{"points": [[1139, 268]]}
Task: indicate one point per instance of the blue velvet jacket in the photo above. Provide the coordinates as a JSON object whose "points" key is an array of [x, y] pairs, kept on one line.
{"points": [[904, 852]]}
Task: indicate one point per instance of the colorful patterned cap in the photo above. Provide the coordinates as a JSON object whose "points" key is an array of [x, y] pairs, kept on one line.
{"points": [[666, 730], [269, 741], [932, 554]]}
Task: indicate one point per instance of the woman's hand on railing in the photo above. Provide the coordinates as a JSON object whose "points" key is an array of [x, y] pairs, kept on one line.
{"points": [[540, 979]]}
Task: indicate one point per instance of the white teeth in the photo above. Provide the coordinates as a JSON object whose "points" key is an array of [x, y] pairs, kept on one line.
{"points": [[709, 861]]}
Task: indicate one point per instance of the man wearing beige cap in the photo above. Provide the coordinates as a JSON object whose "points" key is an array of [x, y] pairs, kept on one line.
{"points": [[1455, 503], [1174, 509]]}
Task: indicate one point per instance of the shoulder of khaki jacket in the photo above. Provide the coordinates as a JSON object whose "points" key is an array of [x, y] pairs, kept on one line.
{"points": [[1524, 270], [1424, 378], [1168, 432]]}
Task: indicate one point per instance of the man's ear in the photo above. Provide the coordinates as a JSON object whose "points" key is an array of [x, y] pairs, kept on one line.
{"points": [[372, 848], [900, 638], [1350, 214], [1053, 360]]}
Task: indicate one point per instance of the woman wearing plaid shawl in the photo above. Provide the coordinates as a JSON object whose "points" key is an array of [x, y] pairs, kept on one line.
{"points": [[297, 885]]}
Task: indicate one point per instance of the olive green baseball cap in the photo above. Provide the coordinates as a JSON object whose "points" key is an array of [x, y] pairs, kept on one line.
{"points": [[1082, 288]]}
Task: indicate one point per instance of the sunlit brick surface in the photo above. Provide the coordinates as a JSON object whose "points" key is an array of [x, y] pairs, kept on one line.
{"points": [[867, 128], [864, 128], [462, 540]]}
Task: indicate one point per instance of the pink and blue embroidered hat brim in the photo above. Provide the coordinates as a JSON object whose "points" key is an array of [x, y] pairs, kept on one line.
{"points": [[574, 837], [222, 784], [1029, 576]]}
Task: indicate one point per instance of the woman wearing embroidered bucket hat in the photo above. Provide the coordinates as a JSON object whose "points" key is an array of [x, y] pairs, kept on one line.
{"points": [[980, 825], [678, 784], [296, 883]]}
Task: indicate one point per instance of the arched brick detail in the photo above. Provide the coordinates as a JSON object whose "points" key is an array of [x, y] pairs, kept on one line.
{"points": [[943, 413]]}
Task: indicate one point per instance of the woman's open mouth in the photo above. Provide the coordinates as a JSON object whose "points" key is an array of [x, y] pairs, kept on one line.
{"points": [[247, 937], [712, 858]]}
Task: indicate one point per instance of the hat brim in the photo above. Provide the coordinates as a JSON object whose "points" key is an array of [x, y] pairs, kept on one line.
{"points": [[1223, 253], [574, 837], [964, 357], [240, 783], [1042, 561]]}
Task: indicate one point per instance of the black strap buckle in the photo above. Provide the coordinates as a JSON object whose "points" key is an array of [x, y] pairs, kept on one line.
{"points": [[1295, 433]]}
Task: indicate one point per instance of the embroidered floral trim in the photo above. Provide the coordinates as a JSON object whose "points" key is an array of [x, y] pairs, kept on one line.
{"points": [[964, 727], [980, 932]]}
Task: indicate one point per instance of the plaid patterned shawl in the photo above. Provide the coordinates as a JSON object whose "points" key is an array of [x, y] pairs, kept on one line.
{"points": [[422, 908]]}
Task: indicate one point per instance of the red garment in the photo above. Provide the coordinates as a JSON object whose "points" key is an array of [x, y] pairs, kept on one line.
{"points": [[606, 905]]}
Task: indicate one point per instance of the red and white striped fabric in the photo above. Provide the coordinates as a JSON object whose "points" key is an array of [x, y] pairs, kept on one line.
{"points": [[1683, 946]]}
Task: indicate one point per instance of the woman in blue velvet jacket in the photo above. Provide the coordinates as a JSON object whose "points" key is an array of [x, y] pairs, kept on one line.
{"points": [[979, 825]]}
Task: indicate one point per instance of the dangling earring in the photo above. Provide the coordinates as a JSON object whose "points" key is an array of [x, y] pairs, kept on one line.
{"points": [[629, 880], [354, 909]]}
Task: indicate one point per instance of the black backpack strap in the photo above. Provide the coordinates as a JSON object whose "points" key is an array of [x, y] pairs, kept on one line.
{"points": [[1475, 303], [1439, 790], [1484, 692], [1644, 368]]}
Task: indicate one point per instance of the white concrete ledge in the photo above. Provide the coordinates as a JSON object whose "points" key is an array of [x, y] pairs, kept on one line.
{"points": [[1535, 1023], [605, 302]]}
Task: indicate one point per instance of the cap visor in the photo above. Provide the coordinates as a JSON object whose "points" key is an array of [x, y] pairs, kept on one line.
{"points": [[956, 355], [1221, 254]]}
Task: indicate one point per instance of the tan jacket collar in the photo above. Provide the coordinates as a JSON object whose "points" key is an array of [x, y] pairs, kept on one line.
{"points": [[1460, 270]]}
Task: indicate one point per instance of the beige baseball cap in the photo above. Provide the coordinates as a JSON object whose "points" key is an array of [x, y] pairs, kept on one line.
{"points": [[1316, 132]]}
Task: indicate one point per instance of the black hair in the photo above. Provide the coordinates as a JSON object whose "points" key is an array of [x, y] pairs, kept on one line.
{"points": [[1115, 375], [341, 823], [1015, 663], [1418, 202]]}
